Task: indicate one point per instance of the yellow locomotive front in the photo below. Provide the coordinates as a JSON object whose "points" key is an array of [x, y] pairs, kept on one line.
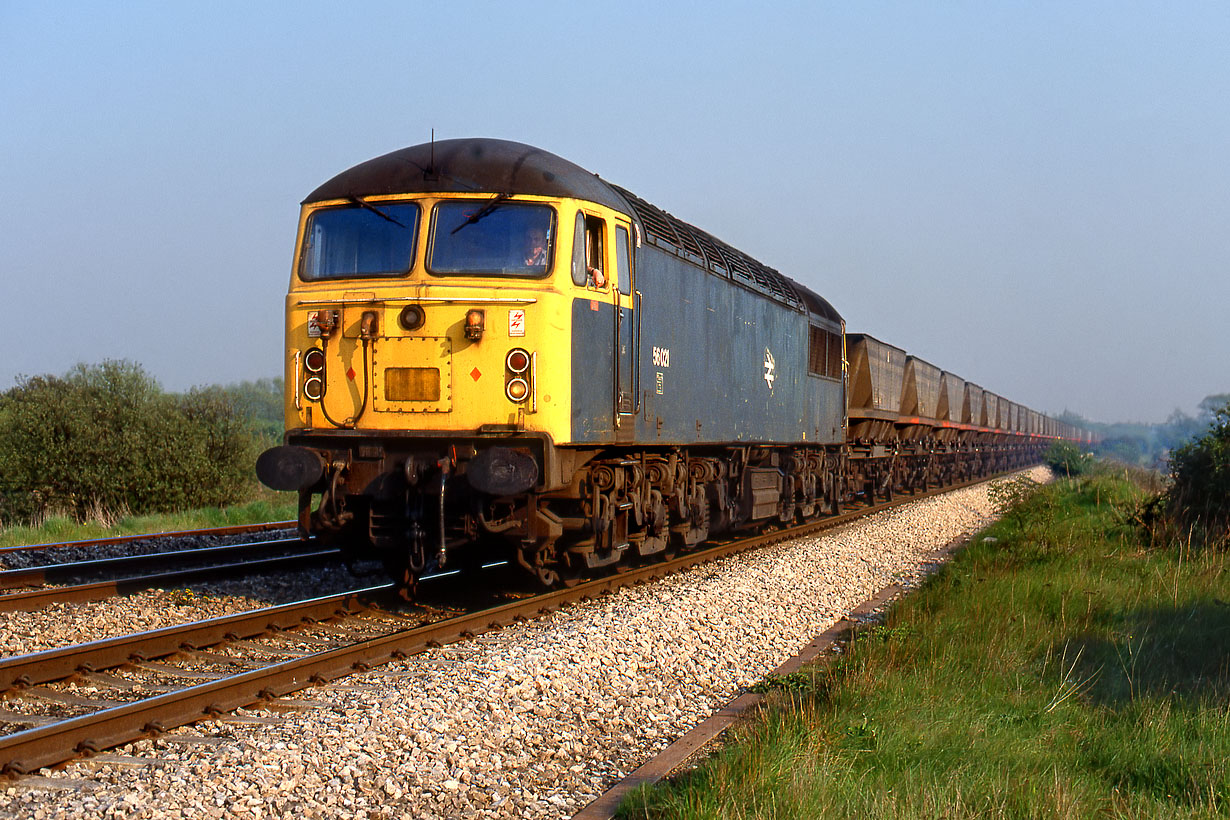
{"points": [[428, 351], [390, 331]]}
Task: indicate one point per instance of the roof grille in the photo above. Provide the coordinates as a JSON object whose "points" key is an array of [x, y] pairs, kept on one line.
{"points": [[710, 252]]}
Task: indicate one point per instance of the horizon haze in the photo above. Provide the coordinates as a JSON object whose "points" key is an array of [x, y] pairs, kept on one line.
{"points": [[1032, 196]]}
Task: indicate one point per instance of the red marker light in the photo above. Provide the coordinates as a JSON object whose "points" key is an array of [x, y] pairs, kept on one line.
{"points": [[314, 360], [518, 360]]}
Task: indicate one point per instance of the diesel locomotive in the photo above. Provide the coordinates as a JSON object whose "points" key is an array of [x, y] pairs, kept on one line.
{"points": [[492, 353]]}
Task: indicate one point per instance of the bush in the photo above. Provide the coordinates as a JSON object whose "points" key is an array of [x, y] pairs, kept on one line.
{"points": [[1199, 496], [261, 402], [105, 439], [1065, 458]]}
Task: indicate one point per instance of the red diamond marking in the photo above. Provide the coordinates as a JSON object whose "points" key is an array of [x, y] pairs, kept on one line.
{"points": [[350, 374], [475, 374]]}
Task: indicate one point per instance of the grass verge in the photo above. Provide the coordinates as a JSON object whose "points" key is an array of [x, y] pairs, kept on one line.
{"points": [[267, 506], [1059, 667]]}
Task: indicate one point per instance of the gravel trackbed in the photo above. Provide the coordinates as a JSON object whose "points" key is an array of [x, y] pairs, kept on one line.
{"points": [[532, 721]]}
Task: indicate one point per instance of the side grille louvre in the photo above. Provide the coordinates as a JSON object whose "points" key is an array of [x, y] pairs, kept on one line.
{"points": [[709, 252]]}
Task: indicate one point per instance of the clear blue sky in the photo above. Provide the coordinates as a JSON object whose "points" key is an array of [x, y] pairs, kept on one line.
{"points": [[1035, 195]]}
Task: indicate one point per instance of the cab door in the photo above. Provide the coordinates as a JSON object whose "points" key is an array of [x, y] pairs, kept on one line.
{"points": [[605, 344], [626, 330]]}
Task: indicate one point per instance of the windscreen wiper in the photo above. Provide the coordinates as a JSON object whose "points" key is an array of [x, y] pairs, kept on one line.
{"points": [[369, 206], [484, 211]]}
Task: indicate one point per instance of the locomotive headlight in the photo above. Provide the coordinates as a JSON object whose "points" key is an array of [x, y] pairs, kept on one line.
{"points": [[314, 388], [314, 360], [517, 360], [517, 389], [411, 317]]}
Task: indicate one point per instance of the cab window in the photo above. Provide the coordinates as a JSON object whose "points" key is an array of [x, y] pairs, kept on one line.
{"points": [[373, 239], [588, 268], [491, 238], [579, 274], [622, 264]]}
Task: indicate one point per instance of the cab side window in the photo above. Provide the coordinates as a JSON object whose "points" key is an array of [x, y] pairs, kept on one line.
{"points": [[587, 259], [623, 264], [579, 275]]}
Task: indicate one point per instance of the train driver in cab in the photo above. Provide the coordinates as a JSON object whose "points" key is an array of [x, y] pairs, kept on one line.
{"points": [[536, 248]]}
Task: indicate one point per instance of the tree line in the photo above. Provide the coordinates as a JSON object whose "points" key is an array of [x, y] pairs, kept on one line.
{"points": [[1150, 445], [1192, 451], [104, 440]]}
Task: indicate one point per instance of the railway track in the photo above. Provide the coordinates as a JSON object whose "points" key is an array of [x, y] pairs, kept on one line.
{"points": [[44, 580], [174, 567], [100, 664], [86, 543]]}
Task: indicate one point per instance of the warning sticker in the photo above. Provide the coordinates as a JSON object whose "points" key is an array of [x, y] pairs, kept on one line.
{"points": [[516, 322]]}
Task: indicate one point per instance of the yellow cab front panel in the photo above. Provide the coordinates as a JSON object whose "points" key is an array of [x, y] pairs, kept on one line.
{"points": [[468, 334]]}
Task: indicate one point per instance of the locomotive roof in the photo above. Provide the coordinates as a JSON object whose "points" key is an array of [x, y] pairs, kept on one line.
{"points": [[504, 167], [470, 166]]}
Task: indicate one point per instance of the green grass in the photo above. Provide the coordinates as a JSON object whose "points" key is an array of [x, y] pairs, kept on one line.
{"points": [[267, 506], [1065, 671]]}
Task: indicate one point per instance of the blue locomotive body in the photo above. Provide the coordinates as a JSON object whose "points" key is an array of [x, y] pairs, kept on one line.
{"points": [[711, 362]]}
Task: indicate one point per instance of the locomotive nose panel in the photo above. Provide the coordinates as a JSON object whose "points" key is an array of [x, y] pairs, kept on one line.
{"points": [[413, 375]]}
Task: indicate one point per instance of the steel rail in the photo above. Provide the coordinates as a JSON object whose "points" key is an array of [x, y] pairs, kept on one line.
{"points": [[28, 750], [58, 573], [25, 751], [78, 593], [96, 656], [235, 529]]}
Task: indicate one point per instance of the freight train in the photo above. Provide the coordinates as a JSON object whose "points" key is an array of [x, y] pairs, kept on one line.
{"points": [[493, 353]]}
